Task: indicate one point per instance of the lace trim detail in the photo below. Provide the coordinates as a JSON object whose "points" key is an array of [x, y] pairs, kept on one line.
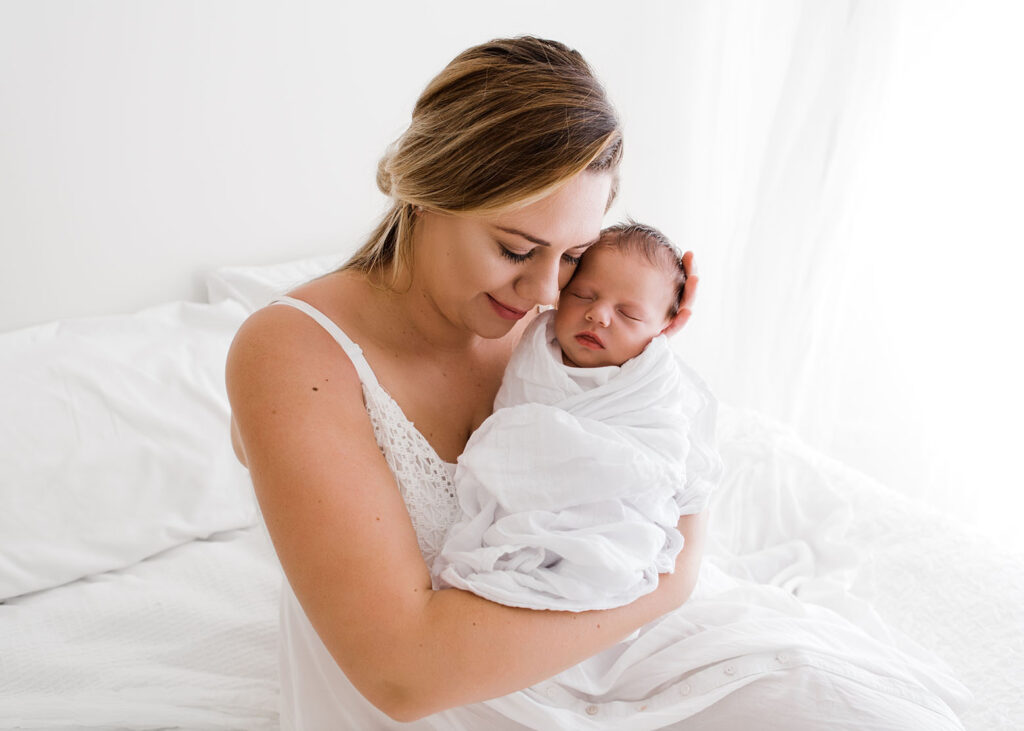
{"points": [[424, 479]]}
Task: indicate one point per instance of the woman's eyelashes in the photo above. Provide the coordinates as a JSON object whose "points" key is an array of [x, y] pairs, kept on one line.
{"points": [[519, 258], [514, 256]]}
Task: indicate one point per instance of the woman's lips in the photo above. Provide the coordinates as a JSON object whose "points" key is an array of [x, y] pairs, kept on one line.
{"points": [[589, 340], [506, 312]]}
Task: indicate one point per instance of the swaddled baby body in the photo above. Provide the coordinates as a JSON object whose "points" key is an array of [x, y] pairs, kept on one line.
{"points": [[600, 439]]}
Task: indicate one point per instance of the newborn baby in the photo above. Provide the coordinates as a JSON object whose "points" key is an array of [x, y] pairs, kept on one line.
{"points": [[571, 490]]}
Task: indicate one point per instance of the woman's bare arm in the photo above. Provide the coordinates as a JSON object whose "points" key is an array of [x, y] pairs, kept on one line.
{"points": [[348, 548]]}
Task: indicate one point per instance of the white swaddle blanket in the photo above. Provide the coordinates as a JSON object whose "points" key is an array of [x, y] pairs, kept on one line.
{"points": [[571, 494]]}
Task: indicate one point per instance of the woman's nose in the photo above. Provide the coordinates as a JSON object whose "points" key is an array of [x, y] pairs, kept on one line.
{"points": [[540, 284]]}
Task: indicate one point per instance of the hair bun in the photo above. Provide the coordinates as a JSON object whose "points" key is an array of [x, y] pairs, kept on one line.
{"points": [[384, 179]]}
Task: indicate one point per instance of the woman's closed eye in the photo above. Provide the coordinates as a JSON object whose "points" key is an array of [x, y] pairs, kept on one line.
{"points": [[521, 256], [515, 256]]}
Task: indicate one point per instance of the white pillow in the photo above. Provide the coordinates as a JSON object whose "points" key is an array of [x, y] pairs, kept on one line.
{"points": [[114, 443], [256, 286]]}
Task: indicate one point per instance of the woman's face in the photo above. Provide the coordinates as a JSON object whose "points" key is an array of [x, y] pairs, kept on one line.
{"points": [[483, 273]]}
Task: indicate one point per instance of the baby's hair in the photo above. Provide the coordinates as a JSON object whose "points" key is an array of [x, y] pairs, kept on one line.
{"points": [[655, 246]]}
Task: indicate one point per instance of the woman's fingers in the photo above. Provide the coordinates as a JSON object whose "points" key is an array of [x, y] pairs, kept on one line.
{"points": [[688, 266], [682, 317], [689, 296], [690, 288]]}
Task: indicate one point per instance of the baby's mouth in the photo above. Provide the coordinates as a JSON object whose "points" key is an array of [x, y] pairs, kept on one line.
{"points": [[589, 340]]}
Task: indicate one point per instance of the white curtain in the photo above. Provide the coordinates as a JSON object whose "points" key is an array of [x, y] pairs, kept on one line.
{"points": [[851, 180]]}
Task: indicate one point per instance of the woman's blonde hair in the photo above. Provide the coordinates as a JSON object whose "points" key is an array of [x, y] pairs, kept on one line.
{"points": [[504, 123]]}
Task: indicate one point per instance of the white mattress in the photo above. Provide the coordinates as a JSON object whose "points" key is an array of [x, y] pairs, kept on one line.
{"points": [[187, 639]]}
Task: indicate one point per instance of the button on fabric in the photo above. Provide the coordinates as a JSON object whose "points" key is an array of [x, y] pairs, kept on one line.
{"points": [[684, 689], [782, 657], [729, 670], [592, 710]]}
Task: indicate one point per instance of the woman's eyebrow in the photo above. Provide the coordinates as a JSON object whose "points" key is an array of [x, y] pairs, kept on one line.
{"points": [[535, 240], [528, 237]]}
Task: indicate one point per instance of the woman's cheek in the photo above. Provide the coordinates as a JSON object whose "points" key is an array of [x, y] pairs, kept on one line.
{"points": [[564, 275]]}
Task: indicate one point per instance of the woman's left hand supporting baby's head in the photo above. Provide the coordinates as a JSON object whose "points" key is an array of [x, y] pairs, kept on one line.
{"points": [[689, 297]]}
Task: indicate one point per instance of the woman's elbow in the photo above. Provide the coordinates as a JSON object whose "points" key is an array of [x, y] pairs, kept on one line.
{"points": [[395, 692], [408, 703], [401, 704], [401, 711], [406, 715]]}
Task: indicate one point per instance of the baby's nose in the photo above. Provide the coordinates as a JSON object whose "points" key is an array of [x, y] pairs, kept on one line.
{"points": [[598, 315]]}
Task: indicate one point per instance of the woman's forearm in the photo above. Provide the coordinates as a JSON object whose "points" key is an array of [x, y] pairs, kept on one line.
{"points": [[461, 634]]}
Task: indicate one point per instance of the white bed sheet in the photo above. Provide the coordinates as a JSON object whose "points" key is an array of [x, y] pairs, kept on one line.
{"points": [[790, 516], [949, 589], [187, 639]]}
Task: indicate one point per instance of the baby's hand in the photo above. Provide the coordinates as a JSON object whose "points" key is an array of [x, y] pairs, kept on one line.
{"points": [[689, 296]]}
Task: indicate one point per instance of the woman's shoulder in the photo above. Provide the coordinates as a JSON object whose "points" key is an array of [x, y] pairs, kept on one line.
{"points": [[344, 297], [281, 352], [332, 302]]}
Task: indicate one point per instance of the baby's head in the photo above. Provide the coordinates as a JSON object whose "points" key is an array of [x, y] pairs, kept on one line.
{"points": [[625, 291]]}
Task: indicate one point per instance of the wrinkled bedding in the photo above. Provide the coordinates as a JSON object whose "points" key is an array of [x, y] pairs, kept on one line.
{"points": [[835, 537], [186, 639]]}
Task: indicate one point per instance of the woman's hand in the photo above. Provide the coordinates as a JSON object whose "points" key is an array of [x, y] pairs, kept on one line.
{"points": [[689, 296], [680, 584]]}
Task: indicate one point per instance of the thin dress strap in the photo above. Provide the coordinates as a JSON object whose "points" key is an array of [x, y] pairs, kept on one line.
{"points": [[353, 351]]}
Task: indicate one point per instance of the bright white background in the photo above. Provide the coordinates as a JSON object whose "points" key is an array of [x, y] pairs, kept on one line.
{"points": [[849, 174]]}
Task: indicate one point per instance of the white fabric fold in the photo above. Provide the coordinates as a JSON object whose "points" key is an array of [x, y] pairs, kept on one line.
{"points": [[570, 496]]}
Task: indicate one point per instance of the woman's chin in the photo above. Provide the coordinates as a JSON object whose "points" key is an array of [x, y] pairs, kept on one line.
{"points": [[490, 327]]}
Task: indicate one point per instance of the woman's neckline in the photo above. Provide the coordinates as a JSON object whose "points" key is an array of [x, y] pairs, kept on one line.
{"points": [[380, 387], [410, 424], [324, 287]]}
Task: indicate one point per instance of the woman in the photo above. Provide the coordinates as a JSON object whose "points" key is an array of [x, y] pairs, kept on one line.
{"points": [[499, 184]]}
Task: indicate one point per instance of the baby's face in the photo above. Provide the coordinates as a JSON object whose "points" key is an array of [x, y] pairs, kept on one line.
{"points": [[615, 303]]}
